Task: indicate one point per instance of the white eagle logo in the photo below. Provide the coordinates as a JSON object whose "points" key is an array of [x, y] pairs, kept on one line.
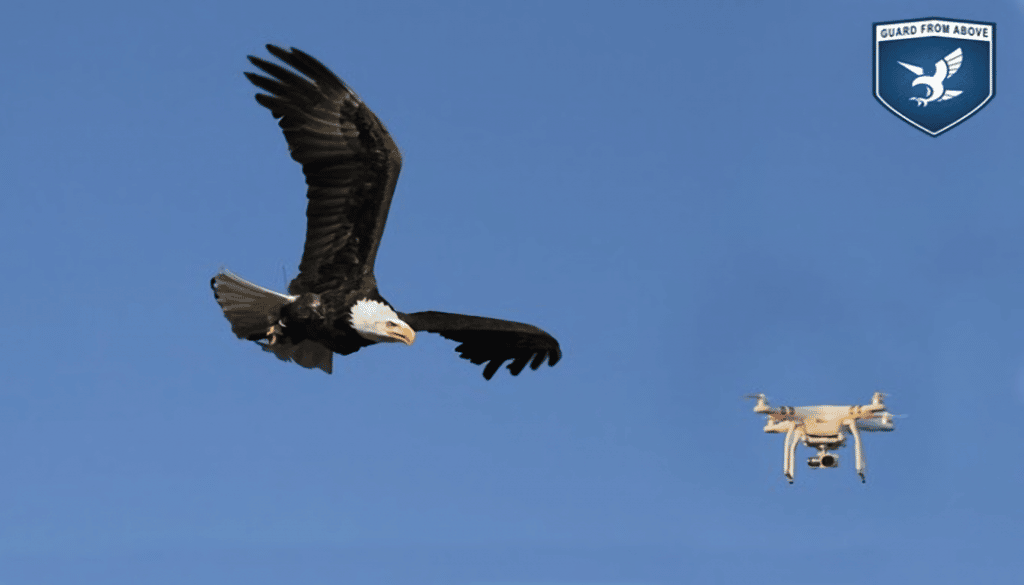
{"points": [[944, 69]]}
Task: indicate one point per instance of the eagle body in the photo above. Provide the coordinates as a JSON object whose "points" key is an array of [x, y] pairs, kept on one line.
{"points": [[351, 165], [944, 69]]}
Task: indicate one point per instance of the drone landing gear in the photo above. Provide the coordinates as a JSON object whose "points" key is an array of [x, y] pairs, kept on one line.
{"points": [[857, 449], [793, 436]]}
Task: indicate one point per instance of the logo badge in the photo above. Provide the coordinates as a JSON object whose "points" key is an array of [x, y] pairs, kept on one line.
{"points": [[935, 72]]}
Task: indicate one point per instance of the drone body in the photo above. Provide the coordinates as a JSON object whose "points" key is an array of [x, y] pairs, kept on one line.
{"points": [[823, 427]]}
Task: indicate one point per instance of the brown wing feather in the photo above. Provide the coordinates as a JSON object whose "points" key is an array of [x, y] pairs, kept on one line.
{"points": [[350, 162]]}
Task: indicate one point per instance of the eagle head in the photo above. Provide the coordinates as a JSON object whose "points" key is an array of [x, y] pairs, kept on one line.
{"points": [[378, 322]]}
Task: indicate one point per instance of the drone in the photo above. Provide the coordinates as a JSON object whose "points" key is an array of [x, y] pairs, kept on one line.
{"points": [[823, 427]]}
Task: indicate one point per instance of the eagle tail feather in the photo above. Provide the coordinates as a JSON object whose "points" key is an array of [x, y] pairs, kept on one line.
{"points": [[252, 310]]}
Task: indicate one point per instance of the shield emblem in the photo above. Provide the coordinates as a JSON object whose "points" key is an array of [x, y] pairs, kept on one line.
{"points": [[934, 73]]}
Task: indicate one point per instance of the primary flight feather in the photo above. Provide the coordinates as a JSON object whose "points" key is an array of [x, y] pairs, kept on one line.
{"points": [[351, 166]]}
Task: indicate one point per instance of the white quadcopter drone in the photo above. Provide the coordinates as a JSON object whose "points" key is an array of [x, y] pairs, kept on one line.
{"points": [[823, 427]]}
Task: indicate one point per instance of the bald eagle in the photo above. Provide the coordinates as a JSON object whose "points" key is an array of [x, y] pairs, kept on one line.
{"points": [[351, 166]]}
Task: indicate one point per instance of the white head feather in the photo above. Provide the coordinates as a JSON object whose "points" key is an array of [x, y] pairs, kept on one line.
{"points": [[378, 322]]}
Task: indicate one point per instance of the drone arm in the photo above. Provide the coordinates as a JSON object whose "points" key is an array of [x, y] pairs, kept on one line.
{"points": [[866, 411], [762, 407], [858, 449]]}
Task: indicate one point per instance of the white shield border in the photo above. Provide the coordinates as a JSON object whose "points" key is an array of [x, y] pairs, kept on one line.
{"points": [[991, 68]]}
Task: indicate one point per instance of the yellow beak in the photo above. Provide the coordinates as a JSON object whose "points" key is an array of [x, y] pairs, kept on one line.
{"points": [[403, 333]]}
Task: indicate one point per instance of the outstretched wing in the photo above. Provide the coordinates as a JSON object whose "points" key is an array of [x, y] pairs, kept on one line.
{"points": [[350, 162], [482, 339], [953, 61], [950, 94], [913, 68]]}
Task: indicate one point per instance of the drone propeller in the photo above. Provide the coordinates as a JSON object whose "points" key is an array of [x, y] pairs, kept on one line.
{"points": [[762, 403]]}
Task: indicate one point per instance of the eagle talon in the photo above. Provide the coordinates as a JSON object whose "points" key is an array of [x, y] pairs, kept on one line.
{"points": [[274, 332]]}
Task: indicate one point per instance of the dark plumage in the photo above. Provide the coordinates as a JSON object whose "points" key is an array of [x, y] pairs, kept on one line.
{"points": [[351, 166]]}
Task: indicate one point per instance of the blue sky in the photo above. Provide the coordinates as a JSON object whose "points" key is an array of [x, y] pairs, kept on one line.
{"points": [[698, 199]]}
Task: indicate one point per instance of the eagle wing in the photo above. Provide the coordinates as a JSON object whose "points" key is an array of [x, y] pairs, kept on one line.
{"points": [[482, 339], [953, 61], [350, 162], [950, 94], [913, 68]]}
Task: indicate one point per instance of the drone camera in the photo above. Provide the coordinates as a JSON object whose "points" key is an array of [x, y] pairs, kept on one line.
{"points": [[828, 460]]}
